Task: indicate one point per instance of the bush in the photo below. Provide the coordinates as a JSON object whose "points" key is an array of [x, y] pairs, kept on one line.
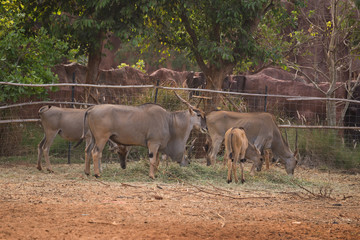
{"points": [[325, 147]]}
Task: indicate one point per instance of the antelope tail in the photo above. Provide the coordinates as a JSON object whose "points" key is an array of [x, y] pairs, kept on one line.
{"points": [[85, 128], [229, 144]]}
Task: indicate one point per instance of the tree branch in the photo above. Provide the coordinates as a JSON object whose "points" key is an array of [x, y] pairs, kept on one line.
{"points": [[297, 68], [310, 22], [195, 41]]}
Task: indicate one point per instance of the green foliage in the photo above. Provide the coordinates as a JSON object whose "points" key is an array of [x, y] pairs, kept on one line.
{"points": [[357, 3], [140, 65], [85, 24], [324, 147], [28, 60], [215, 33], [77, 57], [122, 65], [277, 34], [155, 55], [279, 31], [24, 58]]}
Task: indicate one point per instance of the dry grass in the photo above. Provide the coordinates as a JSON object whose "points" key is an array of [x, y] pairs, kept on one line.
{"points": [[306, 181]]}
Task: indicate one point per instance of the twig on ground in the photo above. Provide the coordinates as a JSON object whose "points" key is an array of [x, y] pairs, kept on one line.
{"points": [[128, 185], [108, 185], [87, 179], [107, 223], [305, 189], [217, 188], [224, 195], [346, 197], [326, 194], [293, 193], [224, 220], [215, 194]]}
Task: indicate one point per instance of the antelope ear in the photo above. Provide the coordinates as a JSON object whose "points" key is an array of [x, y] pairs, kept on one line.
{"points": [[257, 150]]}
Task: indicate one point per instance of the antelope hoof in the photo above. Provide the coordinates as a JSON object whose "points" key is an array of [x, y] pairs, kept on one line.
{"points": [[86, 173], [50, 170], [97, 175], [123, 165], [39, 168], [229, 181], [242, 180]]}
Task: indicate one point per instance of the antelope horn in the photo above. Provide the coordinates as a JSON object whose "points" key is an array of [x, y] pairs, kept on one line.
{"points": [[183, 100], [296, 143], [198, 105]]}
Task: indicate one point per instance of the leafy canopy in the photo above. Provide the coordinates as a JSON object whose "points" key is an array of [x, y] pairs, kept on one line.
{"points": [[214, 32], [25, 58], [80, 22]]}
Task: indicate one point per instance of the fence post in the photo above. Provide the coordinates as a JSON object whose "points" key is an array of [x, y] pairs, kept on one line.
{"points": [[72, 105], [156, 90], [73, 90], [265, 102]]}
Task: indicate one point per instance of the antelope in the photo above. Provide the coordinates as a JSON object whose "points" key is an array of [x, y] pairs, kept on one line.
{"points": [[147, 125], [261, 130], [238, 148]]}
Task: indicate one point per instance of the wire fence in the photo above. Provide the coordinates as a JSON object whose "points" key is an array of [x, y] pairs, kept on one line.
{"points": [[319, 144]]}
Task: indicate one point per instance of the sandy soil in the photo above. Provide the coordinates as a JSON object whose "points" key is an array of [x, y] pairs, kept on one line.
{"points": [[37, 205]]}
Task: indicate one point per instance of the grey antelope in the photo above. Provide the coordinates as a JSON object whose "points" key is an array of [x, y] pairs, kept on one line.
{"points": [[68, 123], [147, 125], [261, 130]]}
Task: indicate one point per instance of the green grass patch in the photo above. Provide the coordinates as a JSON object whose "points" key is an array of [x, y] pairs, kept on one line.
{"points": [[326, 147], [276, 179]]}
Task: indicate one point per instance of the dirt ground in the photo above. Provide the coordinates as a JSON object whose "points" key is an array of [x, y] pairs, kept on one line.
{"points": [[38, 205]]}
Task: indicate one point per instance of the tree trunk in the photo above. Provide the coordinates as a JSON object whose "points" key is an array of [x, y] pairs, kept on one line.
{"points": [[331, 105], [332, 59], [214, 81], [94, 59], [331, 112], [93, 67]]}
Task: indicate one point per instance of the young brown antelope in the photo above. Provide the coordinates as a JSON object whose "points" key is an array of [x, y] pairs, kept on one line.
{"points": [[236, 145]]}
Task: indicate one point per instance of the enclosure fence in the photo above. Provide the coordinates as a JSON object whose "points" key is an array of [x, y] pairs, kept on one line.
{"points": [[319, 144]]}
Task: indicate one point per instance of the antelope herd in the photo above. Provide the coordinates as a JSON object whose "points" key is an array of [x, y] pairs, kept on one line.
{"points": [[68, 123], [261, 130], [247, 135]]}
